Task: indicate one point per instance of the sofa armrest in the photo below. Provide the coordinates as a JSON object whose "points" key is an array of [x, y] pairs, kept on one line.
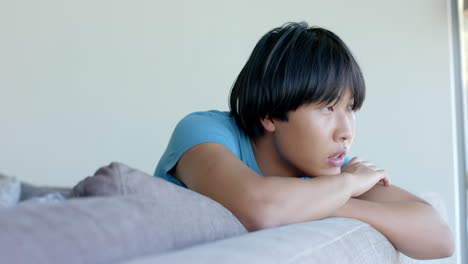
{"points": [[332, 240]]}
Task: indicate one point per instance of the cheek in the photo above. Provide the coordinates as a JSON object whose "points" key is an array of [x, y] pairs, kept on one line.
{"points": [[302, 144], [300, 135], [353, 129]]}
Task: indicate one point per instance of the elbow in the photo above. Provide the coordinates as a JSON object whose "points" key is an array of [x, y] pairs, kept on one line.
{"points": [[261, 213], [442, 246], [259, 218], [261, 210], [448, 251], [446, 244], [445, 249], [257, 225]]}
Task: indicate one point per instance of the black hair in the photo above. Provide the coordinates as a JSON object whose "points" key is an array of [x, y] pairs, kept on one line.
{"points": [[290, 66]]}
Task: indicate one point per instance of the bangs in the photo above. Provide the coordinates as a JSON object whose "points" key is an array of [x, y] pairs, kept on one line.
{"points": [[313, 69], [333, 81]]}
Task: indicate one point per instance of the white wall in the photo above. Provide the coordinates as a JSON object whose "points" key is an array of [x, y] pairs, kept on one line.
{"points": [[84, 83]]}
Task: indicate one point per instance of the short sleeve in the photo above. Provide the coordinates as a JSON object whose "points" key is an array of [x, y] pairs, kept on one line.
{"points": [[194, 129], [346, 160]]}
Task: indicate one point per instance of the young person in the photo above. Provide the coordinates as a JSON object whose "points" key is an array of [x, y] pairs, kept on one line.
{"points": [[279, 156]]}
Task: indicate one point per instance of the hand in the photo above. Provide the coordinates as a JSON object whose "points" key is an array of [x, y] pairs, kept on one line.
{"points": [[364, 175]]}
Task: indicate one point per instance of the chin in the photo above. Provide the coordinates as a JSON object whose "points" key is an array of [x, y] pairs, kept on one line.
{"points": [[331, 171]]}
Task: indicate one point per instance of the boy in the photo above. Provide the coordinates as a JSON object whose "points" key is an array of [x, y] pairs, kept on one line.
{"points": [[279, 156]]}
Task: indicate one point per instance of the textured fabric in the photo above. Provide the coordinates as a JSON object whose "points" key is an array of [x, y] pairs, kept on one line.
{"points": [[31, 191], [201, 127], [332, 240], [10, 189], [162, 217], [142, 218], [120, 179], [14, 192], [53, 197]]}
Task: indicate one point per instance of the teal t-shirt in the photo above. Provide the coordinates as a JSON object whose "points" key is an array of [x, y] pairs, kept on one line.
{"points": [[201, 127]]}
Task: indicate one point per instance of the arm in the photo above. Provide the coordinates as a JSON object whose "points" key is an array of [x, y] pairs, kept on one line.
{"points": [[269, 201], [257, 201], [408, 222]]}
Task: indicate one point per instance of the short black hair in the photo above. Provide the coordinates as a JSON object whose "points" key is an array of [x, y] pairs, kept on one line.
{"points": [[290, 66]]}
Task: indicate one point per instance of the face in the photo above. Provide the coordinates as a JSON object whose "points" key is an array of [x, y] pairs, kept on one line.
{"points": [[315, 139]]}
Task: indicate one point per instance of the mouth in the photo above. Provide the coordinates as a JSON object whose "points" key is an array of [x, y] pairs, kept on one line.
{"points": [[337, 156], [337, 159]]}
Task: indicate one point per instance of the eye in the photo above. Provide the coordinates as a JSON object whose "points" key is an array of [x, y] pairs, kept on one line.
{"points": [[351, 106], [328, 109]]}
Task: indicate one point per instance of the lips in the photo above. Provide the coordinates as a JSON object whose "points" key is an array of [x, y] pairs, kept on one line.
{"points": [[337, 158]]}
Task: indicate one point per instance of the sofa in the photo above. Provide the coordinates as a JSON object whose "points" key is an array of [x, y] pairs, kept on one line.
{"points": [[123, 215]]}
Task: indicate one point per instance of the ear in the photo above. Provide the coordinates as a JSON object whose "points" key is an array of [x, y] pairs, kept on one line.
{"points": [[268, 124]]}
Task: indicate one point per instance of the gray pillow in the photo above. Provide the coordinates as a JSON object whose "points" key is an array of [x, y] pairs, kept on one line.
{"points": [[149, 219], [120, 179]]}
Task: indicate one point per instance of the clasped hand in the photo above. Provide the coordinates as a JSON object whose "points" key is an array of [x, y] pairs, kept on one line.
{"points": [[363, 175]]}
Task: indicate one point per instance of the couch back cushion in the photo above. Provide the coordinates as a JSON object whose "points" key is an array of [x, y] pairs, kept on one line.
{"points": [[141, 215]]}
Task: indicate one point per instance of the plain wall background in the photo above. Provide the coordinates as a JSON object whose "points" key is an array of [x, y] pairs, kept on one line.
{"points": [[84, 83]]}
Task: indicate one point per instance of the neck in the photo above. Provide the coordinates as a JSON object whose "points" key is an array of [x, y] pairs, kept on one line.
{"points": [[269, 160]]}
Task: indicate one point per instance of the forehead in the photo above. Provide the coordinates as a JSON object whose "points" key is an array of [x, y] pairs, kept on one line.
{"points": [[345, 97]]}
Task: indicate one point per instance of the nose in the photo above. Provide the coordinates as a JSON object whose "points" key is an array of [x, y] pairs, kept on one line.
{"points": [[344, 131]]}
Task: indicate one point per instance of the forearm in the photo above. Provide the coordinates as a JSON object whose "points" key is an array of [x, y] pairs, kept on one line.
{"points": [[290, 199], [414, 228]]}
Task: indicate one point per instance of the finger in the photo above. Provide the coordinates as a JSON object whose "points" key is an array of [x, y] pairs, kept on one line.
{"points": [[367, 163], [371, 166], [387, 181], [354, 160]]}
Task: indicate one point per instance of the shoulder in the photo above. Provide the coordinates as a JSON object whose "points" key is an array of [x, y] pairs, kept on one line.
{"points": [[212, 117], [194, 129], [214, 125]]}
